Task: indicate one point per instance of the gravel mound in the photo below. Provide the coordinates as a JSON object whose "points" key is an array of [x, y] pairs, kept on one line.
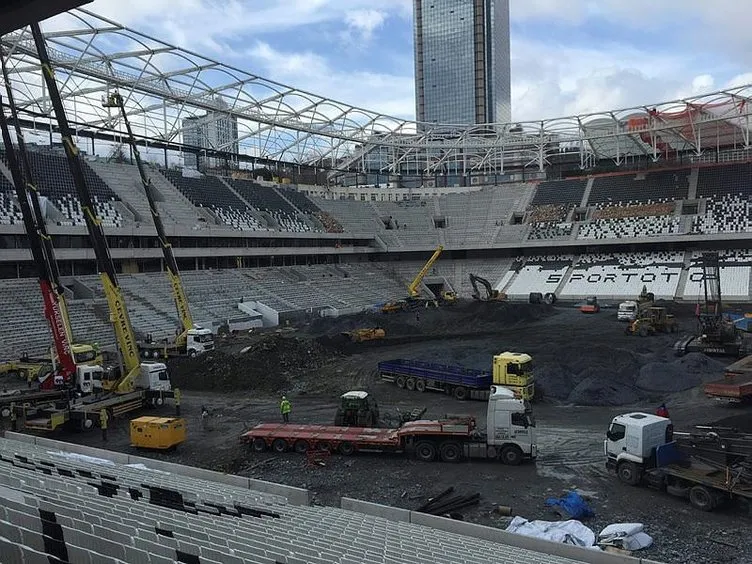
{"points": [[554, 381], [594, 390], [270, 365], [681, 374]]}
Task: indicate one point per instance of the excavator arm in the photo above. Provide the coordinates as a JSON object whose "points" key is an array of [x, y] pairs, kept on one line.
{"points": [[124, 333], [115, 100], [415, 284]]}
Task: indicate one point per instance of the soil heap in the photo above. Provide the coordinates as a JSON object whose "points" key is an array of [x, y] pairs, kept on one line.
{"points": [[271, 364]]}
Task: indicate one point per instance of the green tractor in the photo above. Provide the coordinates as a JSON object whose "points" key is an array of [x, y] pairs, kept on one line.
{"points": [[357, 409]]}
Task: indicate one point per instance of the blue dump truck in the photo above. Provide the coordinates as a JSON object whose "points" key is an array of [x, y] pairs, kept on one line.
{"points": [[510, 370]]}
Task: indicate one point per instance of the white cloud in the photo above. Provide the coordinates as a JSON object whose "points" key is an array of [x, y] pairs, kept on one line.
{"points": [[654, 58]]}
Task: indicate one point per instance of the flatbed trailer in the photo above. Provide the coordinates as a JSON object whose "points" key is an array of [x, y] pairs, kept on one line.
{"points": [[462, 383], [447, 440], [735, 386], [84, 414]]}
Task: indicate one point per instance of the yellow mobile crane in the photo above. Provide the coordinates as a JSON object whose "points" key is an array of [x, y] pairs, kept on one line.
{"points": [[138, 384], [191, 340], [414, 288]]}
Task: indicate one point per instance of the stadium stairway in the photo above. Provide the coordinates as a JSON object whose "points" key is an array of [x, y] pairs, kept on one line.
{"points": [[586, 194], [684, 275]]}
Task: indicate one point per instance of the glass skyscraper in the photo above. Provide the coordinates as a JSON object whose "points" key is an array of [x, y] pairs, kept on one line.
{"points": [[462, 66]]}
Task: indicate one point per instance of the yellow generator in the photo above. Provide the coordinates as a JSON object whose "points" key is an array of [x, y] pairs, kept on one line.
{"points": [[160, 433]]}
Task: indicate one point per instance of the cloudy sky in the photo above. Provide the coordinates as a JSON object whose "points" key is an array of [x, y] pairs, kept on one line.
{"points": [[588, 56]]}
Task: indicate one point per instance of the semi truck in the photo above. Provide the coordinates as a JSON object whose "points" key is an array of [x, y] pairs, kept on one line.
{"points": [[736, 384], [509, 369], [509, 436], [707, 467], [193, 342]]}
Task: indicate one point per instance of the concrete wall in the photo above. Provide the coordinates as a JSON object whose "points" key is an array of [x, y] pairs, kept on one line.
{"points": [[490, 534], [295, 496]]}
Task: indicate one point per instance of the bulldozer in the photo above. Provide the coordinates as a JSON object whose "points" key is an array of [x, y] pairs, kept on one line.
{"points": [[357, 409], [651, 321], [362, 335]]}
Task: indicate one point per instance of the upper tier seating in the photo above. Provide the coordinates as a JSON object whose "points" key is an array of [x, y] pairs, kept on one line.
{"points": [[625, 189], [54, 180], [9, 213], [299, 200], [727, 214], [630, 227], [211, 193], [730, 179], [551, 230], [60, 506], [266, 199], [560, 192]]}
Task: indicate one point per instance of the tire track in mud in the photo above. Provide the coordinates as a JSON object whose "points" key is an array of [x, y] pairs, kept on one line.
{"points": [[569, 452]]}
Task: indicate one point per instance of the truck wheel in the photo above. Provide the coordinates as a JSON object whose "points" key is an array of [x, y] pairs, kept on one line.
{"points": [[192, 353], [629, 473], [420, 385], [460, 393], [324, 445], [259, 444], [450, 451], [425, 451], [400, 382], [279, 445], [410, 384], [702, 498], [301, 446], [511, 455], [346, 448]]}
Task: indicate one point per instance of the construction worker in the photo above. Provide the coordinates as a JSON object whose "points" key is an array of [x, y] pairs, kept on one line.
{"points": [[103, 419], [285, 408], [204, 418], [177, 402], [13, 423], [662, 411]]}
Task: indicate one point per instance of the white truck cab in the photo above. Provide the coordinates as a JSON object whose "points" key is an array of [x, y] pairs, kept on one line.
{"points": [[627, 311], [510, 421], [199, 341], [89, 378], [631, 441], [154, 377]]}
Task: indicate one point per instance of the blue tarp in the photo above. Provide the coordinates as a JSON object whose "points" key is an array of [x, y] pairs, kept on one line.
{"points": [[573, 505], [744, 324]]}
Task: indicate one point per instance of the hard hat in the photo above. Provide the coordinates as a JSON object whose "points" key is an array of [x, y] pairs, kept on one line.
{"points": [[284, 397]]}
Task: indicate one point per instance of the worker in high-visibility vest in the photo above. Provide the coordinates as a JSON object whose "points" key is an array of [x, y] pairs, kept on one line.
{"points": [[285, 407], [13, 416], [177, 401], [103, 419]]}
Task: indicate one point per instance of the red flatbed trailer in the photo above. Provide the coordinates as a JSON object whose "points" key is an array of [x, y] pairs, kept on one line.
{"points": [[736, 385], [450, 439]]}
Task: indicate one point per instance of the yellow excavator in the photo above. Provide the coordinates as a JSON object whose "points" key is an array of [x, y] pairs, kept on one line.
{"points": [[414, 299]]}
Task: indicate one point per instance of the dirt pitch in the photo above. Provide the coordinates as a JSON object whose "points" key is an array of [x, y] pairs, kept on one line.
{"points": [[589, 371]]}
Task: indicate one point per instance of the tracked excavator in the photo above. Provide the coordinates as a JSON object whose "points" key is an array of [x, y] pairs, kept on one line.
{"points": [[191, 340], [491, 295], [136, 384]]}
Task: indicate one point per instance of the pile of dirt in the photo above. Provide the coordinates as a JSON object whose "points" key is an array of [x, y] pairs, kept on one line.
{"points": [[678, 375], [272, 364]]}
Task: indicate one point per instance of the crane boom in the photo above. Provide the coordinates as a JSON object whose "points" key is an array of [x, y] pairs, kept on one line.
{"points": [[415, 284], [54, 313], [115, 100], [32, 193], [124, 333]]}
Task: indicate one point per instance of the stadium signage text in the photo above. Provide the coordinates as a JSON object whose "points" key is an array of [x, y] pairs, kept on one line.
{"points": [[595, 278]]}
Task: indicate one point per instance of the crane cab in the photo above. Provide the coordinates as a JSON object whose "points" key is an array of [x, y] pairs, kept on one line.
{"points": [[199, 341], [89, 379]]}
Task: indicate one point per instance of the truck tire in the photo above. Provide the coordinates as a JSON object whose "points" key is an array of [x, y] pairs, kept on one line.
{"points": [[301, 446], [192, 353], [280, 445], [410, 384], [259, 444], [629, 473], [324, 445], [346, 448], [460, 393], [420, 385], [450, 451], [425, 451], [400, 381], [702, 498], [511, 455]]}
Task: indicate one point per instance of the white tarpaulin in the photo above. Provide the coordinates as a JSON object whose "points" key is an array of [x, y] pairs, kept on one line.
{"points": [[567, 532], [628, 536]]}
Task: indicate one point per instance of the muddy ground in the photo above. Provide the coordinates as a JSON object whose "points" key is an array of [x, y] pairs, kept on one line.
{"points": [[589, 371]]}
